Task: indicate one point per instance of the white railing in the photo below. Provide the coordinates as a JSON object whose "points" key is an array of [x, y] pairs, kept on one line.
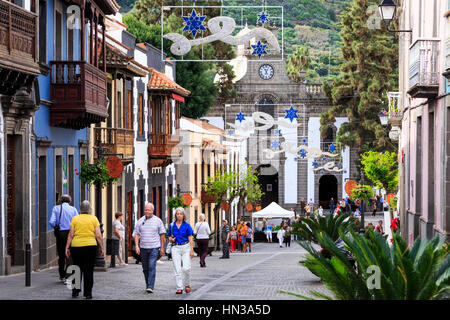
{"points": [[423, 63]]}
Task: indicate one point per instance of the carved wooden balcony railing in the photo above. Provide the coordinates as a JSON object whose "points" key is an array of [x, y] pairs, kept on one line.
{"points": [[423, 69], [18, 47], [78, 92], [118, 141], [163, 146]]}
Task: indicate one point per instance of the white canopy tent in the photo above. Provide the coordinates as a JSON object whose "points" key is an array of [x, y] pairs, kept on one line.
{"points": [[273, 210]]}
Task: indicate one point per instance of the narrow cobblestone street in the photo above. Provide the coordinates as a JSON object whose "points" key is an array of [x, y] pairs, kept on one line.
{"points": [[257, 275]]}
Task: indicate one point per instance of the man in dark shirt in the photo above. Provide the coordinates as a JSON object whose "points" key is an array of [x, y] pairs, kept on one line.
{"points": [[225, 230], [332, 206], [302, 206]]}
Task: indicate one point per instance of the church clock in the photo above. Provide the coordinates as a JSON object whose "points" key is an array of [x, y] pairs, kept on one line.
{"points": [[266, 71]]}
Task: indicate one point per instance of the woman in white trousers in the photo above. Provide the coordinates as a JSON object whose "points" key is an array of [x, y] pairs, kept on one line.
{"points": [[180, 235]]}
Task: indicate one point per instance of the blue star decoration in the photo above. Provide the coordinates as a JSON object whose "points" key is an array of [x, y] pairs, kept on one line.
{"points": [[240, 116], [339, 164], [304, 140], [302, 153], [321, 171], [291, 114], [332, 147], [345, 171], [259, 49], [324, 158], [230, 131], [194, 23], [263, 17], [315, 164], [275, 144]]}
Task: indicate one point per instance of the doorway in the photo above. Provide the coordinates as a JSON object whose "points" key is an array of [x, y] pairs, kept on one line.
{"points": [[328, 188], [268, 180]]}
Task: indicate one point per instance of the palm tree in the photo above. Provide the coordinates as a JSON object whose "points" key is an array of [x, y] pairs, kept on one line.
{"points": [[298, 64], [421, 272]]}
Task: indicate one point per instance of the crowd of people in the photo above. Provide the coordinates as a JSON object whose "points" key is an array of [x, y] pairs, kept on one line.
{"points": [[78, 236]]}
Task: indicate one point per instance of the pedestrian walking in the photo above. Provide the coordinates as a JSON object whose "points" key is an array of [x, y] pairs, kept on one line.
{"points": [[280, 236], [302, 206], [202, 232], [332, 206], [307, 210], [81, 244], [180, 235], [320, 211], [119, 234], [225, 231], [149, 237], [248, 238], [243, 236], [238, 229], [60, 220], [287, 237], [311, 205], [233, 238], [374, 211], [269, 233]]}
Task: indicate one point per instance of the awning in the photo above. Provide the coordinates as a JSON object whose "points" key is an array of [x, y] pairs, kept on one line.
{"points": [[177, 97]]}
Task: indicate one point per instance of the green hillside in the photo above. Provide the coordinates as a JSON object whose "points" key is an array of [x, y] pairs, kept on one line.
{"points": [[307, 23]]}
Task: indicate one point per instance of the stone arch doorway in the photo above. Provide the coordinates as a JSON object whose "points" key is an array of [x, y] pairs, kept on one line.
{"points": [[328, 188], [268, 180]]}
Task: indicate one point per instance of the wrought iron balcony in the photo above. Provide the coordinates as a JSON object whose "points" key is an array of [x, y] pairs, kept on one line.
{"points": [[78, 93], [118, 141], [18, 47], [423, 69], [395, 114]]}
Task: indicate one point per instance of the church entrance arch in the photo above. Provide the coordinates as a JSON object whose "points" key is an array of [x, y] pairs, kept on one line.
{"points": [[328, 188], [268, 180]]}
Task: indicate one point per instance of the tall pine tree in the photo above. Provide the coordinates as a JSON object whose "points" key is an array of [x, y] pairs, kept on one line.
{"points": [[368, 72]]}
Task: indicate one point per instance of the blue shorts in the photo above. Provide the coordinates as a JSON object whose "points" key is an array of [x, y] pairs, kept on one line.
{"points": [[243, 239]]}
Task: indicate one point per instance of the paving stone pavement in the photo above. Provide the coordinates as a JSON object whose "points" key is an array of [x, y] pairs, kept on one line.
{"points": [[257, 276]]}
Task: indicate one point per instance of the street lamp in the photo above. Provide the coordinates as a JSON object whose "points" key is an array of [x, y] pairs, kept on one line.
{"points": [[383, 117], [388, 10]]}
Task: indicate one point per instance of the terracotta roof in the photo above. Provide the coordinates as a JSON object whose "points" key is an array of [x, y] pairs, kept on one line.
{"points": [[205, 125], [142, 45], [160, 81]]}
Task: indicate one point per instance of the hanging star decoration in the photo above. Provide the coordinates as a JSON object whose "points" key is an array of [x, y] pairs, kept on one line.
{"points": [[332, 147], [291, 114], [315, 164], [324, 158], [275, 145], [259, 49], [302, 153], [240, 116], [339, 164], [263, 17], [321, 171], [304, 140], [194, 23]]}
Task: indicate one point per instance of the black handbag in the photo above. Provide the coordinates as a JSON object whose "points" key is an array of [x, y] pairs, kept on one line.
{"points": [[56, 228]]}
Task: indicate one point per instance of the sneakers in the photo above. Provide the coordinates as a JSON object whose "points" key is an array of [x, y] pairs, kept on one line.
{"points": [[124, 264], [159, 262], [149, 290]]}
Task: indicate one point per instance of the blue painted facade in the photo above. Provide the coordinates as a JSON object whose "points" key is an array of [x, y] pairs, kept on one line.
{"points": [[61, 138]]}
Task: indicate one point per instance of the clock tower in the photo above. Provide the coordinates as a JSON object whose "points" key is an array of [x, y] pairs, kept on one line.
{"points": [[263, 85]]}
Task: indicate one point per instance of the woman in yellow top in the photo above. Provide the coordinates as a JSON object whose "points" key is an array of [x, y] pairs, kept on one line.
{"points": [[83, 237]]}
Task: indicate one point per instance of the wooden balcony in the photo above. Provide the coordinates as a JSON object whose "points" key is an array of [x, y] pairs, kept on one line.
{"points": [[78, 93], [206, 198], [423, 69], [163, 146], [18, 47], [118, 141]]}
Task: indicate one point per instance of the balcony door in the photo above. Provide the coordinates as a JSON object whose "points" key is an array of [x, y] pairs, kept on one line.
{"points": [[58, 33]]}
